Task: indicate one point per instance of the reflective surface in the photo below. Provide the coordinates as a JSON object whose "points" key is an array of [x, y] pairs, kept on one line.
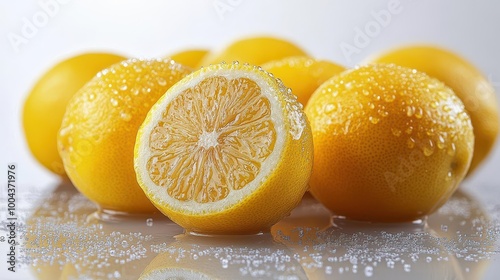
{"points": [[62, 239]]}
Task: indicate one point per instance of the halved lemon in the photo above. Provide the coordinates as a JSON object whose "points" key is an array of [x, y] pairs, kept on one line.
{"points": [[226, 150]]}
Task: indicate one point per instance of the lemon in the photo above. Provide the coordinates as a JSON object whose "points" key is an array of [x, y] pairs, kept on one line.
{"points": [[477, 94], [191, 57], [227, 149], [390, 143], [96, 140], [46, 103], [254, 50], [302, 74]]}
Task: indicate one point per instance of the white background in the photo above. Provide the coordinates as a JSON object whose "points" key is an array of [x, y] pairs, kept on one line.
{"points": [[157, 28]]}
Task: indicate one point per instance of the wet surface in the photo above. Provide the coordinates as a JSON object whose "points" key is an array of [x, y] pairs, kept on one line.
{"points": [[60, 239]]}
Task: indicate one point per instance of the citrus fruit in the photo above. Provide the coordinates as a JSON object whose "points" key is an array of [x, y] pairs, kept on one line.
{"points": [[227, 149], [302, 74], [96, 140], [390, 143], [189, 58], [45, 105], [467, 82], [253, 50]]}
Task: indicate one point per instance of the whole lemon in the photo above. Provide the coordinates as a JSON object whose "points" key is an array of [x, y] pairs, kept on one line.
{"points": [[302, 74], [390, 143], [190, 57], [254, 50], [97, 136], [477, 94], [46, 103]]}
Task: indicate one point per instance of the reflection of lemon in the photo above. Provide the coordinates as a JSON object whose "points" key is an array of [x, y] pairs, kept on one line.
{"points": [[189, 58], [463, 222], [97, 135], [45, 106], [224, 257], [302, 74], [466, 81], [254, 50], [225, 150], [390, 143]]}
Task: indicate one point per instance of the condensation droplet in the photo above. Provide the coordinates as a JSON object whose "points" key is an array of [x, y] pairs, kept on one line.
{"points": [[373, 120], [114, 102], [329, 108], [407, 267], [124, 244], [428, 148], [410, 110], [440, 142], [409, 130], [410, 142], [396, 132], [91, 96], [419, 113], [162, 82], [451, 149], [149, 222], [444, 228], [123, 87], [135, 91], [389, 98], [368, 271], [125, 116]]}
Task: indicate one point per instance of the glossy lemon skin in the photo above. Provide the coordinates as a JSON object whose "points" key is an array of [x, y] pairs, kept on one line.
{"points": [[470, 85]]}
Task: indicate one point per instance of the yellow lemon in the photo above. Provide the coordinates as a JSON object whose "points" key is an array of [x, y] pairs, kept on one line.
{"points": [[254, 50], [390, 143], [226, 150], [45, 105], [467, 82], [96, 140], [302, 74], [189, 58]]}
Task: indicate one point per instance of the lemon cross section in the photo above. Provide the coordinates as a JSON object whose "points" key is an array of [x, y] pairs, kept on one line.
{"points": [[228, 149]]}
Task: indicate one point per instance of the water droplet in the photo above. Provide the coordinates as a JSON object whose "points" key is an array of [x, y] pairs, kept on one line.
{"points": [[396, 132], [124, 244], [91, 96], [389, 98], [419, 113], [125, 116], [365, 92], [428, 148], [162, 82], [407, 267], [410, 110], [123, 87], [428, 259], [149, 222], [451, 149], [373, 120], [409, 130], [135, 91], [449, 176], [368, 271], [410, 142], [440, 142], [444, 228], [371, 105], [329, 108], [114, 102], [383, 113], [434, 104], [446, 108], [224, 263]]}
